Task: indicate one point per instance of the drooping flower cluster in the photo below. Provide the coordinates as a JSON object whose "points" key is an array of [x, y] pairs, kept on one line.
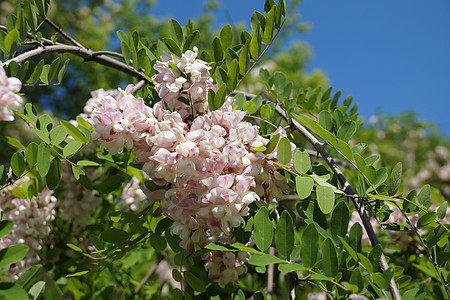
{"points": [[186, 78], [75, 204], [9, 100], [133, 198], [209, 163], [32, 225]]}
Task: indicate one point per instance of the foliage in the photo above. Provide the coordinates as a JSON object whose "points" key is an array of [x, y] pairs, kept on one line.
{"points": [[134, 195]]}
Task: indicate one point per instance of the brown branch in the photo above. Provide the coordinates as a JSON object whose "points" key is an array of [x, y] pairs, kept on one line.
{"points": [[30, 36], [346, 187], [87, 54], [63, 33]]}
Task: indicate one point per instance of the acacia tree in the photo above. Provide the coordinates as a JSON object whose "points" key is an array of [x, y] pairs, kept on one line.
{"points": [[181, 169]]}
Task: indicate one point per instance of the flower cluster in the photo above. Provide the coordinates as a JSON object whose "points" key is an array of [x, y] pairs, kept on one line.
{"points": [[75, 204], [186, 78], [133, 198], [32, 225], [9, 101], [209, 162]]}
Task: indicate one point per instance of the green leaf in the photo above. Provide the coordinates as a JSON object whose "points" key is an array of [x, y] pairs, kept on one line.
{"points": [[219, 98], [304, 186], [263, 233], [81, 273], [354, 237], [71, 148], [357, 279], [158, 242], [395, 179], [345, 150], [284, 235], [12, 291], [58, 135], [29, 276], [347, 130], [249, 107], [53, 69], [360, 162], [88, 163], [126, 52], [349, 249], [374, 256], [370, 173], [424, 195], [37, 290], [226, 36], [269, 25], [31, 153], [434, 236], [302, 163], [30, 14], [44, 74], [442, 210], [272, 144], [54, 173], [340, 219], [325, 120], [74, 247], [74, 132], [12, 141], [317, 128], [309, 247], [81, 177], [19, 192], [43, 159], [266, 111], [172, 46], [5, 227], [220, 247], [292, 267], [211, 96], [44, 123], [11, 40], [217, 50], [255, 44], [233, 73], [176, 32], [62, 71], [12, 254], [284, 152], [191, 41], [264, 260], [110, 184], [426, 219], [329, 259], [194, 282], [18, 163], [244, 59], [325, 198], [114, 235], [241, 247]]}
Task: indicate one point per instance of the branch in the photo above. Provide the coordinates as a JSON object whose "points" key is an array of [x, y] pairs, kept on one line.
{"points": [[45, 41], [63, 33], [347, 188], [87, 54]]}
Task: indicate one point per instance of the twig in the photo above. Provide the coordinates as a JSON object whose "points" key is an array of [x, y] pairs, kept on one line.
{"points": [[146, 278], [63, 33], [45, 41], [87, 54], [346, 187]]}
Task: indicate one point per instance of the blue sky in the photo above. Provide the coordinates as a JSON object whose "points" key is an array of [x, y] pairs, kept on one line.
{"points": [[390, 55]]}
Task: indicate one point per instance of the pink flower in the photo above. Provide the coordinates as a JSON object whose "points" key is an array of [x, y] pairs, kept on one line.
{"points": [[9, 101]]}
